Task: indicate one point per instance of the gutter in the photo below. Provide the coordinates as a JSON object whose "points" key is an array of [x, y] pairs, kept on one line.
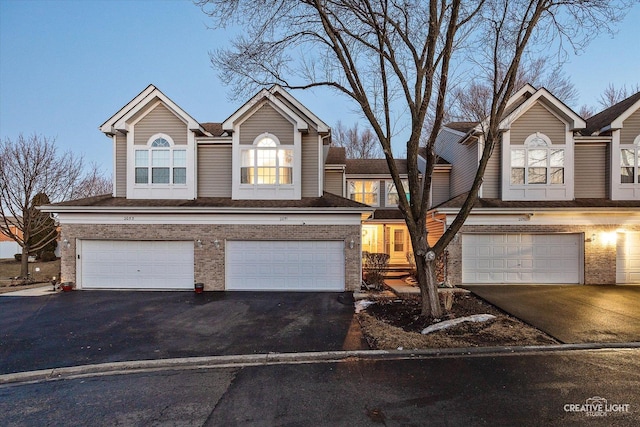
{"points": [[520, 211], [183, 210]]}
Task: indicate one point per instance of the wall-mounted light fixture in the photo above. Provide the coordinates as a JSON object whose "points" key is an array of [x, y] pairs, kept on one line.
{"points": [[199, 243], [608, 238], [66, 243], [217, 244], [352, 244], [593, 237]]}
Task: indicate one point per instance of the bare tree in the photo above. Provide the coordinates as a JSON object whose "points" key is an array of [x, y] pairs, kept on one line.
{"points": [[395, 60], [611, 96], [31, 166], [94, 183], [586, 111], [357, 144], [473, 101]]}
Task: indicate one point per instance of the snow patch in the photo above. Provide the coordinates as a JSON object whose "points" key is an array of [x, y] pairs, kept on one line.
{"points": [[362, 304], [449, 323]]}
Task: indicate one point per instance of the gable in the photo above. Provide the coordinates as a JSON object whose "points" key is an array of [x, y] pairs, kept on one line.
{"points": [[538, 119], [266, 119], [630, 128], [159, 119]]}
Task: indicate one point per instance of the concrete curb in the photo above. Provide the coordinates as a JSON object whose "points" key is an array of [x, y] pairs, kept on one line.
{"points": [[245, 360]]}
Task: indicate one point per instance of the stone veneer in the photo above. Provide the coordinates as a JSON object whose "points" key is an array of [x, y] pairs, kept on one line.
{"points": [[599, 259], [209, 262]]}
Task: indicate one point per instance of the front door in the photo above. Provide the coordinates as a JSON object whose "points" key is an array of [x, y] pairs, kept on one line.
{"points": [[397, 245], [370, 238]]}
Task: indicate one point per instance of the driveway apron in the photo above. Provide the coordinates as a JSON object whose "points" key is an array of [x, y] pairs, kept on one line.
{"points": [[571, 313]]}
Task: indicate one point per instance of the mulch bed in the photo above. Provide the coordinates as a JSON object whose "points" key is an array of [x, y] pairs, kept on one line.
{"points": [[393, 323], [405, 312]]}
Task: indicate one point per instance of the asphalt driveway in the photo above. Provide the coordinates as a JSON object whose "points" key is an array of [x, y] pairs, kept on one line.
{"points": [[571, 314], [77, 328]]}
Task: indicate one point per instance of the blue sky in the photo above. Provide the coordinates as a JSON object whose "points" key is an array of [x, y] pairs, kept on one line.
{"points": [[67, 65]]}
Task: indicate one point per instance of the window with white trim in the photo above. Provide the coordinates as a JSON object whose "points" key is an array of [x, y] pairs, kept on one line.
{"points": [[162, 163], [538, 162], [267, 163], [365, 191], [630, 162], [393, 198]]}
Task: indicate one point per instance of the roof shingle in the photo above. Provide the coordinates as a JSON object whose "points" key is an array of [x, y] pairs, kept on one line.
{"points": [[327, 200], [480, 203], [604, 118]]}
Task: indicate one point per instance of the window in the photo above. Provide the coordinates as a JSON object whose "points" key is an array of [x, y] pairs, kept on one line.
{"points": [[364, 192], [392, 192], [398, 240], [161, 163], [266, 163], [537, 163], [630, 163]]}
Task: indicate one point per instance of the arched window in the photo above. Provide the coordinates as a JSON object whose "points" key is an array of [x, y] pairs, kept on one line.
{"points": [[538, 162], [161, 163], [630, 162], [267, 162]]}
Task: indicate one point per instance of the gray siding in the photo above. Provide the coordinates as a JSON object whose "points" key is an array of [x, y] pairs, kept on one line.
{"points": [[160, 120], [492, 184], [333, 182], [463, 159], [266, 119], [214, 171], [631, 128], [538, 119], [310, 171], [121, 166], [590, 171], [439, 187]]}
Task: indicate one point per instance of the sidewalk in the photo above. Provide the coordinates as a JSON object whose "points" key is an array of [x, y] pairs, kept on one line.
{"points": [[33, 292]]}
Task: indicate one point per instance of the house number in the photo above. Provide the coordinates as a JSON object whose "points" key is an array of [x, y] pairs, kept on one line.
{"points": [[129, 218]]}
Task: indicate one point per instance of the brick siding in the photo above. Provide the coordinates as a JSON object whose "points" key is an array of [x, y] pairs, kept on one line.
{"points": [[209, 262]]}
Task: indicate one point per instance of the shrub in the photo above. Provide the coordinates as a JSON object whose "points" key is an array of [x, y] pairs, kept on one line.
{"points": [[47, 256], [375, 265]]}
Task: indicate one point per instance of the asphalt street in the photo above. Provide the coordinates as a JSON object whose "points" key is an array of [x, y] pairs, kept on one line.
{"points": [[549, 389]]}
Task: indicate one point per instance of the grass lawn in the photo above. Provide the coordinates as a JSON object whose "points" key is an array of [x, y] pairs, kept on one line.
{"points": [[10, 268]]}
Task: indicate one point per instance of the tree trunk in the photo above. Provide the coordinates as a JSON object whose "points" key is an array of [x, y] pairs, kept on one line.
{"points": [[24, 263], [426, 271]]}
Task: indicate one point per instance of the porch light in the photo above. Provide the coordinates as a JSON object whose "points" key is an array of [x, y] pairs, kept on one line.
{"points": [[216, 243], [352, 244], [199, 243], [66, 243], [608, 238]]}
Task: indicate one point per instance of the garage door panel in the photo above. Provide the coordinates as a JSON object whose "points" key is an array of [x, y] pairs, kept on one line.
{"points": [[521, 258], [628, 258], [285, 265], [136, 264]]}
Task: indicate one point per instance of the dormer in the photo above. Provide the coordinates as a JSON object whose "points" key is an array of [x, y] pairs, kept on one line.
{"points": [[277, 148], [154, 148], [537, 149]]}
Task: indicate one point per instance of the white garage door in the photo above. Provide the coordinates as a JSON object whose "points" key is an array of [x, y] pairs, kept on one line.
{"points": [[628, 258], [285, 265], [109, 264], [521, 258]]}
